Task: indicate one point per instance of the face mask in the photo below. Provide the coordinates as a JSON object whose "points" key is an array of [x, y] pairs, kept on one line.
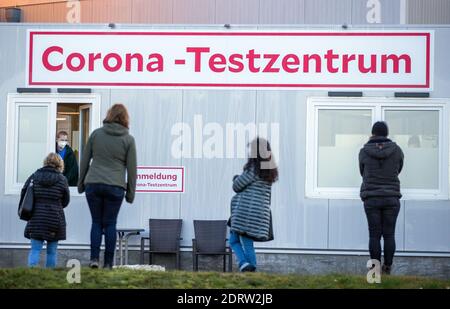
{"points": [[62, 144]]}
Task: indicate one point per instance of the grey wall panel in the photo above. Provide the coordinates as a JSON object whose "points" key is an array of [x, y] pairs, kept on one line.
{"points": [[299, 222], [328, 11], [209, 181], [282, 12], [105, 97], [12, 75], [349, 228], [428, 11], [389, 9], [347, 225], [78, 219], [11, 228], [152, 11], [237, 12], [427, 226], [441, 71], [194, 12], [312, 224]]}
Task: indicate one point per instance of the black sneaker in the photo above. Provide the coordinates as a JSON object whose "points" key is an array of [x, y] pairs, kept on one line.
{"points": [[93, 264], [107, 266], [386, 270]]}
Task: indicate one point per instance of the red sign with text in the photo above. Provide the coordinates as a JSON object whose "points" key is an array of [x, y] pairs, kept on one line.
{"points": [[160, 179], [231, 59]]}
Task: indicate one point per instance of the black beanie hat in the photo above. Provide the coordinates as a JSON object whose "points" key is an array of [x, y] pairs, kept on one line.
{"points": [[380, 128]]}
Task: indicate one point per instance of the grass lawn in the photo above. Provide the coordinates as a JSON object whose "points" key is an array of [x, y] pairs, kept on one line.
{"points": [[125, 278]]}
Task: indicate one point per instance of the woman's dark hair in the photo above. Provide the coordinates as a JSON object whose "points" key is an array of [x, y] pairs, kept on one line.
{"points": [[118, 113], [261, 160]]}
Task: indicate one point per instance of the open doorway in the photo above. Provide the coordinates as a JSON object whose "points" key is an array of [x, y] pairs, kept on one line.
{"points": [[74, 119], [73, 125]]}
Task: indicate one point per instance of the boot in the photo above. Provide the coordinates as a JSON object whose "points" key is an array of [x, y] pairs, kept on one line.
{"points": [[386, 270]]}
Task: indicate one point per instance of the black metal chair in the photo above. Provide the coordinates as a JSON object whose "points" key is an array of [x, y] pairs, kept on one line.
{"points": [[164, 237], [210, 239]]}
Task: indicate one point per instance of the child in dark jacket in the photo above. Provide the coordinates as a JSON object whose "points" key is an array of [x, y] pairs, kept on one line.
{"points": [[47, 222]]}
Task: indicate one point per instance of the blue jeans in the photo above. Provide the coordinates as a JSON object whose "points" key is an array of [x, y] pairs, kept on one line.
{"points": [[243, 248], [104, 203], [35, 253]]}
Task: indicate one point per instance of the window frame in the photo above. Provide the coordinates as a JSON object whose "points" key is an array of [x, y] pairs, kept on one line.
{"points": [[378, 105], [15, 101]]}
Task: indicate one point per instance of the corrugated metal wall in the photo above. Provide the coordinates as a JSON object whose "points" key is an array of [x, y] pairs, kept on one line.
{"points": [[300, 223], [429, 12], [240, 11]]}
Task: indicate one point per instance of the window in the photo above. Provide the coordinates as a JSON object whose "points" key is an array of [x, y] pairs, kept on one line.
{"points": [[417, 133], [33, 121], [31, 138], [337, 128], [341, 132]]}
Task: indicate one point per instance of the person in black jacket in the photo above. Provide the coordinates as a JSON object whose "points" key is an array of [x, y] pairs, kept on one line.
{"points": [[67, 154], [380, 163], [47, 223]]}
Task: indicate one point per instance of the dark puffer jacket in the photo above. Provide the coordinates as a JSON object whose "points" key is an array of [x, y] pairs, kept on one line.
{"points": [[250, 207], [380, 163], [51, 195]]}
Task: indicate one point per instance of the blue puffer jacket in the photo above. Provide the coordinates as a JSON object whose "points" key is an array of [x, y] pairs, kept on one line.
{"points": [[250, 207]]}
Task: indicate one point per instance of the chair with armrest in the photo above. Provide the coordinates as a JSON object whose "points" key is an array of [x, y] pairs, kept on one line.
{"points": [[210, 239], [164, 237]]}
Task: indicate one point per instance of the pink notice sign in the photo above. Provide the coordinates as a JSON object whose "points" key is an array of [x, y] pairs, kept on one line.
{"points": [[160, 179]]}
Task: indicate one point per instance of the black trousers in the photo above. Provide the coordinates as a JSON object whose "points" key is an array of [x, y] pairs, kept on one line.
{"points": [[382, 215]]}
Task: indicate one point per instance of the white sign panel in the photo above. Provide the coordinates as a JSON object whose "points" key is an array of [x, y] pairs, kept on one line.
{"points": [[159, 179], [231, 59]]}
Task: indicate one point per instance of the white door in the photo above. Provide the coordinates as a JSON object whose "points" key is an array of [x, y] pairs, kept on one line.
{"points": [[85, 126]]}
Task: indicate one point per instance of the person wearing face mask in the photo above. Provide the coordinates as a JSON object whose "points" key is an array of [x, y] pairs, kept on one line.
{"points": [[67, 154]]}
